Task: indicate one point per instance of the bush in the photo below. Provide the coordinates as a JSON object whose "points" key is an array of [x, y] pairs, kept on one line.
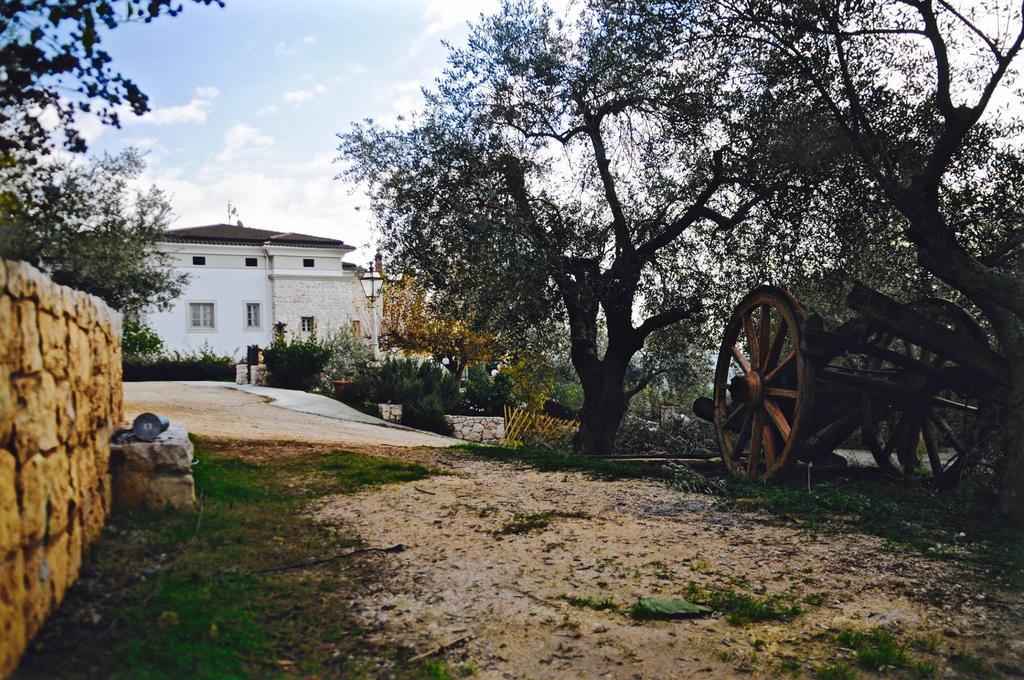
{"points": [[484, 396], [637, 435], [348, 360], [426, 413], [200, 364], [426, 391], [140, 341], [296, 364], [566, 401]]}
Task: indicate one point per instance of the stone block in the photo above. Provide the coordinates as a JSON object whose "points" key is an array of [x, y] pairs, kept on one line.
{"points": [[53, 336], [59, 498], [10, 514], [241, 374], [36, 596], [155, 474], [28, 327], [170, 491], [35, 416], [32, 485], [10, 337], [59, 564], [22, 279], [8, 401], [13, 636]]}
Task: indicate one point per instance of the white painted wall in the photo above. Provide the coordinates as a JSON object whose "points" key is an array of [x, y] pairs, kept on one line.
{"points": [[284, 288]]}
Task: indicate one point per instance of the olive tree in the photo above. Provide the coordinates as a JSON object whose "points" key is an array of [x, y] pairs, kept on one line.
{"points": [[924, 91], [593, 168]]}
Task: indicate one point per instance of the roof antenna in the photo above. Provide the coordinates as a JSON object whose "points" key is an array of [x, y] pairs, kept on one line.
{"points": [[233, 212]]}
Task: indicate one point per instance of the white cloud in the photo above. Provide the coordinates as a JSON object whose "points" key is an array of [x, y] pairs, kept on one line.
{"points": [[241, 138], [309, 39], [301, 197], [283, 50], [207, 92], [298, 97], [193, 112], [267, 110]]}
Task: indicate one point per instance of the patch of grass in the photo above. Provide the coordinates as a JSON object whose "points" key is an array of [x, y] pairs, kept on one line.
{"points": [[742, 608], [179, 594], [879, 649], [971, 666], [525, 523], [604, 604], [835, 671], [555, 461]]}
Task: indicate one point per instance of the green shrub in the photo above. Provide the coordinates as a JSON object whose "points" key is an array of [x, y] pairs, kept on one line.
{"points": [[298, 363], [427, 391], [484, 395], [139, 340], [566, 401], [199, 364], [426, 413], [348, 359]]}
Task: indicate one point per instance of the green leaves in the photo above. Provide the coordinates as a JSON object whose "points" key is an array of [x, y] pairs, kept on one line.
{"points": [[656, 608]]}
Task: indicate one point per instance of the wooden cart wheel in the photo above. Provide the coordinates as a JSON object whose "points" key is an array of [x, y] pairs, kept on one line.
{"points": [[895, 429], [763, 385]]}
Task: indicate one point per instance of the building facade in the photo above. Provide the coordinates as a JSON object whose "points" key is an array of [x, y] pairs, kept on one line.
{"points": [[243, 281]]}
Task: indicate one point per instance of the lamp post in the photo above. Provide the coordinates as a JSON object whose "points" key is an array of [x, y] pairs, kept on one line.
{"points": [[372, 282]]}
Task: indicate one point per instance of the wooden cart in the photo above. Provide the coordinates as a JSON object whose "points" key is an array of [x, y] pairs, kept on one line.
{"points": [[910, 377]]}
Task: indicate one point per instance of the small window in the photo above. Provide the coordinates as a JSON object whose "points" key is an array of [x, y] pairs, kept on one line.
{"points": [[252, 315], [357, 327], [250, 262], [201, 315], [198, 260], [307, 324], [308, 262]]}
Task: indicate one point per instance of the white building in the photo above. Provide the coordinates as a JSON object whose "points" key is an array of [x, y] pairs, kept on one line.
{"points": [[243, 281]]}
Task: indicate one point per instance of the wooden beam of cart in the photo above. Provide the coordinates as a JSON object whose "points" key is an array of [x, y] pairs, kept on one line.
{"points": [[889, 314]]}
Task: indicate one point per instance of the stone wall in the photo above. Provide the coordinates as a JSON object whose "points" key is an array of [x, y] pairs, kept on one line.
{"points": [[484, 429], [60, 398], [390, 412], [332, 302]]}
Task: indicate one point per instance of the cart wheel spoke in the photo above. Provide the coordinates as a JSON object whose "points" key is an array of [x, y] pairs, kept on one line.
{"points": [[762, 340], [769, 445], [741, 360], [772, 359], [748, 327], [785, 363], [931, 443], [756, 434], [781, 392], [775, 413], [735, 412]]}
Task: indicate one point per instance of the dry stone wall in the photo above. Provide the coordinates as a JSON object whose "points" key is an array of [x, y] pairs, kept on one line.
{"points": [[485, 429], [60, 398]]}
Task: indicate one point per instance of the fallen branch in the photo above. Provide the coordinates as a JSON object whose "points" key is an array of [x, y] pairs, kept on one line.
{"points": [[397, 548], [440, 648], [429, 493]]}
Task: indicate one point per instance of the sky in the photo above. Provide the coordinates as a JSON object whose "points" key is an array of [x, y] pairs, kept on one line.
{"points": [[247, 100]]}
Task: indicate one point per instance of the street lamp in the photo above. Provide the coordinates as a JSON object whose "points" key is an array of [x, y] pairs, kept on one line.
{"points": [[372, 282]]}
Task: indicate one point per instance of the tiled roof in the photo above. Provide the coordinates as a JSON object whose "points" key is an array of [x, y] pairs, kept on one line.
{"points": [[233, 234]]}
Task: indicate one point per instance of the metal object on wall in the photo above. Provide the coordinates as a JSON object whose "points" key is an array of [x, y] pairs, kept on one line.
{"points": [[147, 426]]}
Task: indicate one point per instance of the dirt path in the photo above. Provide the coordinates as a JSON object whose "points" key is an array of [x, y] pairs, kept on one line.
{"points": [[461, 577], [225, 413]]}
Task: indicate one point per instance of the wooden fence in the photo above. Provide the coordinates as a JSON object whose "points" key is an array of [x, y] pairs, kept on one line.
{"points": [[537, 429]]}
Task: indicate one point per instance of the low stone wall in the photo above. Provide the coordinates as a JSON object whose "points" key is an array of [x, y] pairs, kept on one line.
{"points": [[390, 412], [60, 399], [155, 475], [484, 429]]}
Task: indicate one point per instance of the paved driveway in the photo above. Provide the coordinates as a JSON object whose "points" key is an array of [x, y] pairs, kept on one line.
{"points": [[220, 410]]}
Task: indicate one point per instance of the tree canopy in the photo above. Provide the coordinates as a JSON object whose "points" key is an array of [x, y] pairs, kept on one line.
{"points": [[52, 62], [84, 225]]}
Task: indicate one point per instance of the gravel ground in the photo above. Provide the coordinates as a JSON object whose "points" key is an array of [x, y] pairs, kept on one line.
{"points": [[500, 598], [226, 413]]}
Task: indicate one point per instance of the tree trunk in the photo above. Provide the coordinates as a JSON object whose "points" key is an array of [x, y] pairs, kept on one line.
{"points": [[604, 404], [1011, 487]]}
